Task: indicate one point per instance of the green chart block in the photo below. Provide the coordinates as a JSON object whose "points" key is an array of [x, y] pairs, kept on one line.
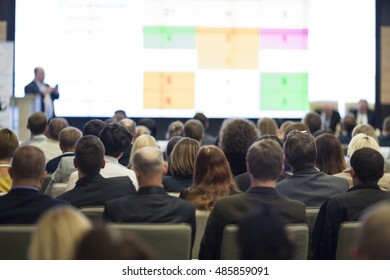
{"points": [[157, 37], [284, 91]]}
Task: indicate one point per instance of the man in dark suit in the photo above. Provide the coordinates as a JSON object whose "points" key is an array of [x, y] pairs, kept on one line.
{"points": [[307, 184], [48, 94], [92, 189], [24, 204], [330, 118], [366, 169], [364, 115], [264, 164], [151, 204]]}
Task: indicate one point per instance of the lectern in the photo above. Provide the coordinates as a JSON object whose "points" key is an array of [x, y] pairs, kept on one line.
{"points": [[22, 109]]}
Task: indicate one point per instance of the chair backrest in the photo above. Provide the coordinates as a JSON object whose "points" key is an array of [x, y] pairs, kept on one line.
{"points": [[169, 241], [201, 221], [45, 183], [230, 249], [58, 189], [312, 213], [14, 241], [93, 213], [318, 105], [345, 240]]}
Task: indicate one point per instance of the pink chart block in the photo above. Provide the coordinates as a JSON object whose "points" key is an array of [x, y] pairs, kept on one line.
{"points": [[283, 38]]}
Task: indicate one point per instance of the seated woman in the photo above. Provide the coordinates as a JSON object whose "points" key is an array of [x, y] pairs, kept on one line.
{"points": [[144, 140], [213, 179], [8, 144], [57, 235], [181, 165], [330, 156]]}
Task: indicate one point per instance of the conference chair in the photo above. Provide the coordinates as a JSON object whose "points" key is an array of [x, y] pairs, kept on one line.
{"points": [[93, 213], [45, 183], [318, 105], [168, 241], [58, 189], [345, 240], [312, 213], [201, 221], [230, 249], [14, 241]]}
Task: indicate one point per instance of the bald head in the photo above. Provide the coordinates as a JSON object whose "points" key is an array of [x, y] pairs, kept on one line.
{"points": [[149, 161], [129, 124], [28, 163]]}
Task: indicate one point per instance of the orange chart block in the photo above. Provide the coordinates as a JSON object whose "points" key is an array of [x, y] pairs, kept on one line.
{"points": [[168, 90], [228, 47]]}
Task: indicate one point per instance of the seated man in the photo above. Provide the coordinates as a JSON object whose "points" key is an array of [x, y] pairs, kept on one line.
{"points": [[265, 164], [24, 204], [307, 184], [37, 124], [367, 167], [92, 189], [151, 204]]}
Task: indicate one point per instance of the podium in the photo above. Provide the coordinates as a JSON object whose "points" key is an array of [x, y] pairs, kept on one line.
{"points": [[22, 109]]}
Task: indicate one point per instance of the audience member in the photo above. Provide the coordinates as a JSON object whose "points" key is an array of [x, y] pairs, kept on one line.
{"points": [[194, 129], [142, 141], [330, 156], [131, 127], [151, 204], [363, 114], [365, 129], [104, 244], [51, 146], [307, 184], [151, 125], [213, 179], [296, 126], [93, 127], [58, 233], [175, 128], [171, 144], [330, 118], [265, 164], [313, 122], [37, 124], [141, 130], [92, 189], [8, 144], [384, 139], [181, 165], [235, 137], [263, 236], [366, 169], [347, 125], [373, 236], [284, 126], [24, 204], [207, 139], [267, 126]]}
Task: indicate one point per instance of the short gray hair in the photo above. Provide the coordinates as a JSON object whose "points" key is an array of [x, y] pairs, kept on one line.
{"points": [[149, 160]]}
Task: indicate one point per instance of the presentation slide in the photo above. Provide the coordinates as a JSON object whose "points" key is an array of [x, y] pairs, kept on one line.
{"points": [[172, 58]]}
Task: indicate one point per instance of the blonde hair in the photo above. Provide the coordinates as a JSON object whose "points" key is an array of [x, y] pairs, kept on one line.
{"points": [[183, 156], [359, 141], [365, 129], [141, 130], [57, 235], [144, 140]]}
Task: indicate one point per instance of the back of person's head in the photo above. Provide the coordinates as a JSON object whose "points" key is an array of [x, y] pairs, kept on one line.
{"points": [[194, 129], [373, 236], [141, 130], [149, 161], [323, 131], [267, 126], [368, 165], [8, 143], [171, 144], [330, 155], [285, 125], [129, 124], [265, 160], [28, 162], [359, 141], [272, 137], [262, 236], [150, 124], [89, 154], [55, 127], [348, 123], [144, 140], [115, 138], [119, 115], [300, 150], [203, 119], [57, 234], [175, 128], [295, 126], [365, 129], [183, 157], [313, 121], [37, 123], [104, 244], [93, 127], [68, 138]]}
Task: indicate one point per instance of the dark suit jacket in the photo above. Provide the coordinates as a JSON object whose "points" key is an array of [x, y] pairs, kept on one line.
{"points": [[311, 186], [32, 88], [384, 140], [243, 180], [150, 205], [25, 206], [334, 119], [338, 209], [230, 210], [52, 164], [97, 190], [371, 117], [177, 183]]}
